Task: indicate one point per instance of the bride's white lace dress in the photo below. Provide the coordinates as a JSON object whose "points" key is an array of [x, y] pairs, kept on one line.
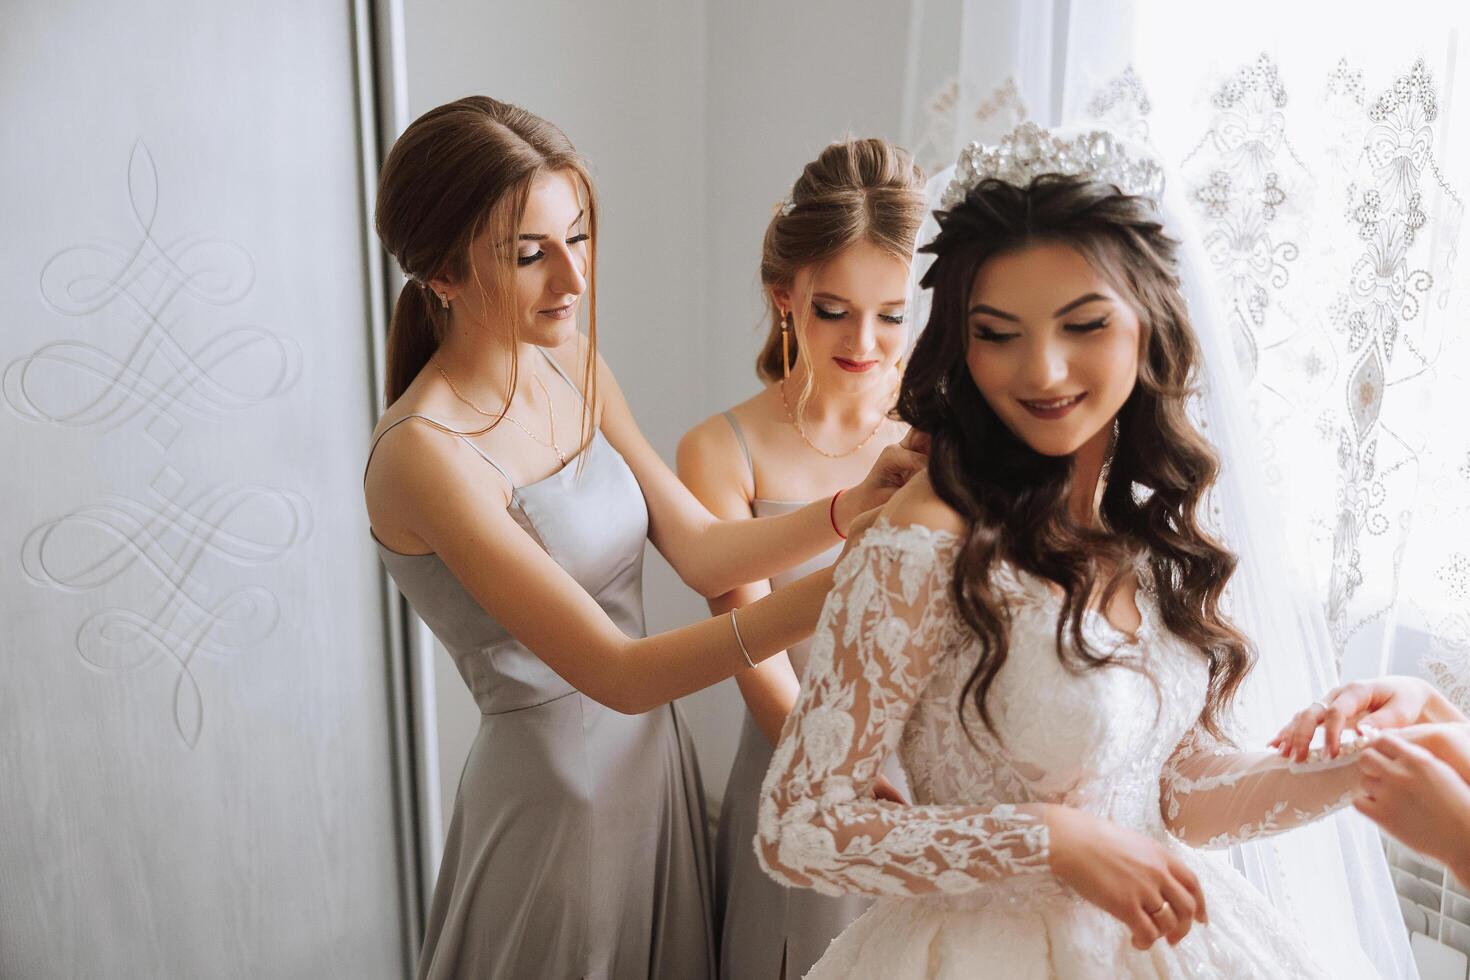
{"points": [[963, 877]]}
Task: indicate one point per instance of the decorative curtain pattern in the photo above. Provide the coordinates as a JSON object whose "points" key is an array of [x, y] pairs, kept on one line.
{"points": [[1327, 163]]}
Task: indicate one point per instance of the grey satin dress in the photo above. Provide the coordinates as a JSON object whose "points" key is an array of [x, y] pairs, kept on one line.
{"points": [[578, 845], [759, 918]]}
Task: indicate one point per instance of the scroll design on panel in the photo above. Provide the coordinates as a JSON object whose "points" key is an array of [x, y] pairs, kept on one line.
{"points": [[150, 359]]}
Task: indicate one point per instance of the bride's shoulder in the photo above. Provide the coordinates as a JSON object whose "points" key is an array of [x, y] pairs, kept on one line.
{"points": [[916, 521], [916, 505]]}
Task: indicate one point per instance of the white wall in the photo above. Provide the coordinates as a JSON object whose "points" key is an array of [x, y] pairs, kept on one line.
{"points": [[785, 79], [696, 117]]}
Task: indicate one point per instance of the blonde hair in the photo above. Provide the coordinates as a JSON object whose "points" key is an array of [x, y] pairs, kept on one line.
{"points": [[458, 170], [855, 190]]}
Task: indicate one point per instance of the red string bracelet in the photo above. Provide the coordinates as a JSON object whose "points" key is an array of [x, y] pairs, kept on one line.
{"points": [[832, 513]]}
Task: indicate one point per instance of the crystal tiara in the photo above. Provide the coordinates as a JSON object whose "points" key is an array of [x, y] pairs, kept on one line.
{"points": [[1028, 150]]}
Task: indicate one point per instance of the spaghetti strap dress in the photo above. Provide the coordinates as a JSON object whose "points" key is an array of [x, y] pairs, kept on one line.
{"points": [[577, 845]]}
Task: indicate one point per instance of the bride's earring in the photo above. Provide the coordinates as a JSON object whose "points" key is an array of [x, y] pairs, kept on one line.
{"points": [[444, 300], [1107, 466]]}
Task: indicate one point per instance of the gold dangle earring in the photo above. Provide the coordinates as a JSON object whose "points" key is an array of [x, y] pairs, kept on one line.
{"points": [[785, 347]]}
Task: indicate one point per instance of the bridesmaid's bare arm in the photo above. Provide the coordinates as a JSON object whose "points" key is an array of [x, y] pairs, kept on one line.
{"points": [[432, 488], [714, 556], [713, 468]]}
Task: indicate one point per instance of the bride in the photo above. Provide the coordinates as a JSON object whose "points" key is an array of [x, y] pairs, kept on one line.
{"points": [[1037, 626]]}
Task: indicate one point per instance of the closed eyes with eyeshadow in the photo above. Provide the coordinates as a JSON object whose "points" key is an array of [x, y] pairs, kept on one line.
{"points": [[982, 332], [538, 255], [835, 313]]}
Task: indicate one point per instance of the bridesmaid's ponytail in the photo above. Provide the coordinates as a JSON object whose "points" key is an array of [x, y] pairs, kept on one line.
{"points": [[413, 336]]}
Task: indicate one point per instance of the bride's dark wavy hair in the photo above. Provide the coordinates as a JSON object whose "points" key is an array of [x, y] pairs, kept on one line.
{"points": [[1014, 499]]}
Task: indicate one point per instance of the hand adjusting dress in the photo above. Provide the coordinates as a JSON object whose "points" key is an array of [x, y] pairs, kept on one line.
{"points": [[577, 846], [963, 877]]}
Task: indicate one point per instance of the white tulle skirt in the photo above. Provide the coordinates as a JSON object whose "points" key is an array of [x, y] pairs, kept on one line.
{"points": [[1036, 929]]}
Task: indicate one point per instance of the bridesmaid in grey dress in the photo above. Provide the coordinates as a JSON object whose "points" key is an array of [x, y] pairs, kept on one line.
{"points": [[835, 270], [577, 845]]}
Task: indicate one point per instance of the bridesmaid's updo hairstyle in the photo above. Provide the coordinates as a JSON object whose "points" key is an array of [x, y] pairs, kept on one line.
{"points": [[1015, 500], [855, 190], [458, 170]]}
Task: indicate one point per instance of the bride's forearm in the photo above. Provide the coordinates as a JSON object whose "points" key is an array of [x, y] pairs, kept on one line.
{"points": [[871, 847], [1215, 799]]}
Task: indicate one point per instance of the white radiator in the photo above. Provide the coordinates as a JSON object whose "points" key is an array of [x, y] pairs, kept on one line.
{"points": [[1437, 911]]}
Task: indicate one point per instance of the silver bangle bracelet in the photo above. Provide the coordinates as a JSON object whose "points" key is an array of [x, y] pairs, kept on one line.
{"points": [[743, 652]]}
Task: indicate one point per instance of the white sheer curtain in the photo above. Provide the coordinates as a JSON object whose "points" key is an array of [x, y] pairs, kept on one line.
{"points": [[1324, 151]]}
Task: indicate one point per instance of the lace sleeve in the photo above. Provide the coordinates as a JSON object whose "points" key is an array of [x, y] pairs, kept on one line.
{"points": [[886, 623], [1213, 795]]}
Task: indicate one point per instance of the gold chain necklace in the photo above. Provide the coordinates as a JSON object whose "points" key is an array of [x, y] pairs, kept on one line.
{"points": [[550, 409], [796, 423]]}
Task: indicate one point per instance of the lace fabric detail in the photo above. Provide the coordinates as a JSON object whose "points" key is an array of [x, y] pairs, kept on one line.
{"points": [[883, 627], [1214, 795], [889, 663]]}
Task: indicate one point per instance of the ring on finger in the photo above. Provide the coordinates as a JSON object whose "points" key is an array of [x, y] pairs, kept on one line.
{"points": [[1165, 907], [1320, 704]]}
